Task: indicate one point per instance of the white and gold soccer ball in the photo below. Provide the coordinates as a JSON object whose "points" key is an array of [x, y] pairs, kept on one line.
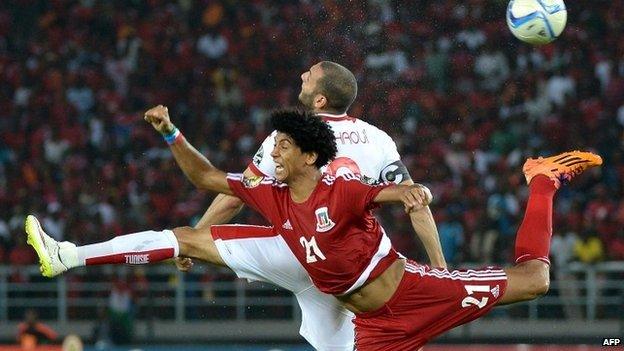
{"points": [[536, 22]]}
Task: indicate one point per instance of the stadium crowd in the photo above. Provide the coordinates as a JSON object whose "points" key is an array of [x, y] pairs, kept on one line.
{"points": [[463, 99]]}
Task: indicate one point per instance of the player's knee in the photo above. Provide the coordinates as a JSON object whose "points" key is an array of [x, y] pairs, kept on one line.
{"points": [[541, 287], [190, 238], [182, 233], [540, 281], [198, 243]]}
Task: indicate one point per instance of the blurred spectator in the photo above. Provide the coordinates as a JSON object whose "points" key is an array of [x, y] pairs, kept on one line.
{"points": [[562, 252], [101, 332], [502, 209], [615, 249], [53, 222], [483, 242], [80, 96], [31, 332], [560, 88], [589, 249], [121, 310], [492, 66], [212, 44], [451, 234], [21, 254]]}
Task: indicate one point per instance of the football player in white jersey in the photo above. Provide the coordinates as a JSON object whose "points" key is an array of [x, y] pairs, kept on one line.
{"points": [[363, 149], [259, 253]]}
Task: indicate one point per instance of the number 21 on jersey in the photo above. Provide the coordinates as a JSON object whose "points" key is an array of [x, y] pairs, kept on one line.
{"points": [[313, 253]]}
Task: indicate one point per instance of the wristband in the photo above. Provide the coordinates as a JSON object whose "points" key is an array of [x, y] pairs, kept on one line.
{"points": [[172, 136]]}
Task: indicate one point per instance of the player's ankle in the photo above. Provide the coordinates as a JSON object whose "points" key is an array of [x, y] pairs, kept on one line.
{"points": [[68, 253], [542, 183]]}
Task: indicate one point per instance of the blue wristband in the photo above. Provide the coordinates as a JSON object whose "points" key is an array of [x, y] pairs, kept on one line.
{"points": [[172, 136]]}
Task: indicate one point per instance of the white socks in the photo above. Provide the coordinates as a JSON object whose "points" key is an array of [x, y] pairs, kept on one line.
{"points": [[138, 248]]}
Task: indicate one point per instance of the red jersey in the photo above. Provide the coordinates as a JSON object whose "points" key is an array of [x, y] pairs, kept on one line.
{"points": [[333, 233]]}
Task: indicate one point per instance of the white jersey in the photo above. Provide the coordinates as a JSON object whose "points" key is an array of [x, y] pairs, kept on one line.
{"points": [[259, 254], [363, 149]]}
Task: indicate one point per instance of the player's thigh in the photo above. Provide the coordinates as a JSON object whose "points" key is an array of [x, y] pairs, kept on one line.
{"points": [[326, 324], [526, 281], [260, 253]]}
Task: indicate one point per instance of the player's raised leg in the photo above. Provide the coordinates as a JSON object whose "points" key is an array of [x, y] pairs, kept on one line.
{"points": [[529, 278], [137, 248]]}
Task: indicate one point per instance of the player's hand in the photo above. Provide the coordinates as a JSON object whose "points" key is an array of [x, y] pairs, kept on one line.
{"points": [[416, 197], [158, 117], [184, 264]]}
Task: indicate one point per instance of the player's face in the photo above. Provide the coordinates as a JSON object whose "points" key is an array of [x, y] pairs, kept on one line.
{"points": [[308, 85], [288, 158]]}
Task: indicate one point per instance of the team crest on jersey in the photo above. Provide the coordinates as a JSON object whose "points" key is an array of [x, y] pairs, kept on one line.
{"points": [[323, 222], [252, 182], [258, 156]]}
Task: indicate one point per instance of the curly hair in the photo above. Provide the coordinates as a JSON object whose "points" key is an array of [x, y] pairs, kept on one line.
{"points": [[310, 133]]}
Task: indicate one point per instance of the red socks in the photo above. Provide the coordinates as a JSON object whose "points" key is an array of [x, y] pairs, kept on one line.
{"points": [[533, 237]]}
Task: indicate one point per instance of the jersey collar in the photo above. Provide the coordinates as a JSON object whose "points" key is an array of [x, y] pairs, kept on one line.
{"points": [[335, 118]]}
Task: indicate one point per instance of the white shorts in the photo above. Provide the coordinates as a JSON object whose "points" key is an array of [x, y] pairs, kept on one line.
{"points": [[258, 253]]}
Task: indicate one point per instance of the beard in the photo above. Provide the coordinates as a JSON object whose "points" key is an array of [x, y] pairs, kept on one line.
{"points": [[306, 99]]}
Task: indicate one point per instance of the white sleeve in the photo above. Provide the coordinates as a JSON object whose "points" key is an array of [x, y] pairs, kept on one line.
{"points": [[390, 152], [392, 168], [262, 162]]}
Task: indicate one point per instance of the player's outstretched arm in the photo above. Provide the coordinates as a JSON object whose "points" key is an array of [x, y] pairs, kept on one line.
{"points": [[425, 227], [223, 208], [195, 166], [416, 199], [426, 230]]}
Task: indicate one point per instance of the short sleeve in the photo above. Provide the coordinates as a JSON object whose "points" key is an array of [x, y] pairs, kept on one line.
{"points": [[257, 192], [360, 195], [392, 168], [390, 151], [262, 163]]}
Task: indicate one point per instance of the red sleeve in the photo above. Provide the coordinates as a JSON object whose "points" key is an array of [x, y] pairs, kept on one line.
{"points": [[359, 194], [259, 193]]}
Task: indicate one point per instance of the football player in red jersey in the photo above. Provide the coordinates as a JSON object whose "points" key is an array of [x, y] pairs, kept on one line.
{"points": [[259, 253], [399, 304]]}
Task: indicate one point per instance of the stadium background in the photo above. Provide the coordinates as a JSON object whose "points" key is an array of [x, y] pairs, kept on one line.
{"points": [[464, 101]]}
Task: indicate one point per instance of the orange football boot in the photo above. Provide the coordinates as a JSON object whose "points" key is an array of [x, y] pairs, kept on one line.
{"points": [[560, 168]]}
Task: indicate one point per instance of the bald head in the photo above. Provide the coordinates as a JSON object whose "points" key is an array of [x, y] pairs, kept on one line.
{"points": [[338, 85]]}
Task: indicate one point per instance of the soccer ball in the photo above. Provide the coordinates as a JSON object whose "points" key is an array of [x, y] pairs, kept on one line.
{"points": [[536, 21]]}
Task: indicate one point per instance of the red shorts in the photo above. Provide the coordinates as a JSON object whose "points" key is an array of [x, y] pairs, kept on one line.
{"points": [[427, 303]]}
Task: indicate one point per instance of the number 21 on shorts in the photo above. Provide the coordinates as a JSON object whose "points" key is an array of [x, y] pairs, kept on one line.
{"points": [[472, 301]]}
